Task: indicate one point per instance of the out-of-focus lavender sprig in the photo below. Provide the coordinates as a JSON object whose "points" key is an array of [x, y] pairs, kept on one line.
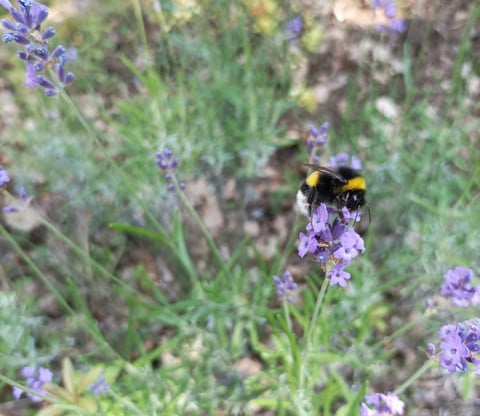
{"points": [[25, 30], [330, 240], [22, 194], [344, 159], [460, 342], [4, 178], [294, 28], [460, 346], [456, 285], [393, 25], [316, 140], [379, 404], [100, 387], [169, 163], [35, 378], [285, 285]]}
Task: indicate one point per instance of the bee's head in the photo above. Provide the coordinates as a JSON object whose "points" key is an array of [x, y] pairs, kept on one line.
{"points": [[353, 199]]}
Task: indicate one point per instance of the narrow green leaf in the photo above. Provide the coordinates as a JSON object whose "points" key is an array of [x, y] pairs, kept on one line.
{"points": [[130, 229], [181, 247], [54, 410], [68, 375]]}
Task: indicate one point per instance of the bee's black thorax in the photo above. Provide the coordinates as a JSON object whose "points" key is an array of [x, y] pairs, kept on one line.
{"points": [[344, 187]]}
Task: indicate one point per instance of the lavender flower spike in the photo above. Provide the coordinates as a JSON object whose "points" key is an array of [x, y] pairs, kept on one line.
{"points": [[25, 201], [460, 346], [285, 285], [382, 405], [101, 386], [457, 286], [4, 178], [318, 138], [35, 378], [330, 240], [25, 30], [389, 10], [294, 28], [167, 162]]}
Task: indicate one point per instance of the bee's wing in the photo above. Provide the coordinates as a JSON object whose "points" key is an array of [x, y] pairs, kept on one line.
{"points": [[326, 171]]}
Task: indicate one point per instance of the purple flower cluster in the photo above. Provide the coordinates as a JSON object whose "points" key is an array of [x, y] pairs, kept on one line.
{"points": [[101, 386], [26, 31], [35, 379], [294, 28], [344, 159], [332, 241], [285, 285], [169, 163], [382, 405], [390, 11], [460, 345], [457, 286], [22, 194], [318, 138], [4, 178]]}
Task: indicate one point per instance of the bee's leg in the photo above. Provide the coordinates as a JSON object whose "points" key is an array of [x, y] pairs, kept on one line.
{"points": [[369, 216], [311, 200]]}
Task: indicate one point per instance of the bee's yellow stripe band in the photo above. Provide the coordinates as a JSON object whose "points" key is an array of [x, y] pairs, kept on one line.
{"points": [[354, 184], [313, 179]]}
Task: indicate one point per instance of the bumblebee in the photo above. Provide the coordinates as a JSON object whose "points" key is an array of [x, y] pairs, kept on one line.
{"points": [[343, 187]]}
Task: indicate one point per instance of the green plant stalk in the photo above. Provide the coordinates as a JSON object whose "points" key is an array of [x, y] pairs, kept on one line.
{"points": [[308, 339], [36, 270], [78, 115], [137, 7], [287, 314], [206, 234], [427, 365], [403, 329]]}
